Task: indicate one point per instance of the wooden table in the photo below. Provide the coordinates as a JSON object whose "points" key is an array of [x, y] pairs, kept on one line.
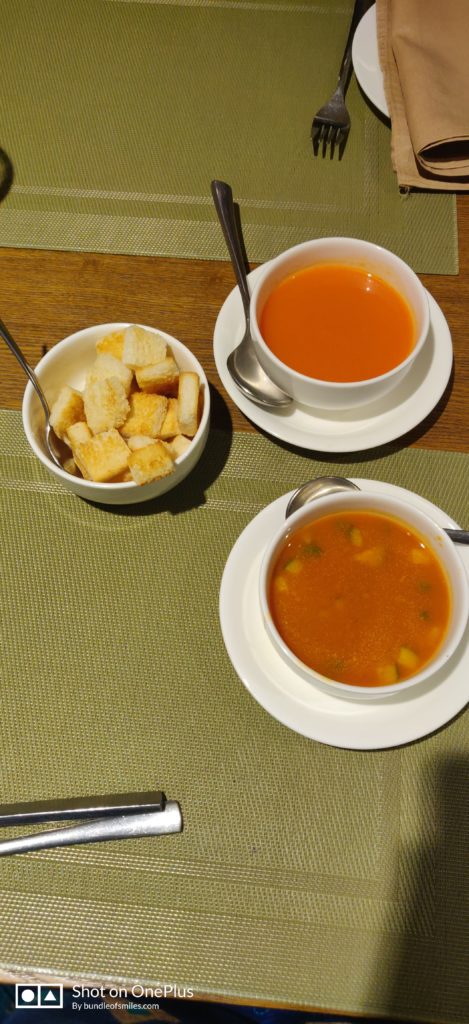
{"points": [[48, 295]]}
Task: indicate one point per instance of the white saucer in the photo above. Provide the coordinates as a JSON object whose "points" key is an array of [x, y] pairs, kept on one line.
{"points": [[365, 58], [298, 704], [374, 424]]}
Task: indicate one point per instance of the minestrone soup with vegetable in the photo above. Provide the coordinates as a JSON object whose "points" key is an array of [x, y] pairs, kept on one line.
{"points": [[360, 598]]}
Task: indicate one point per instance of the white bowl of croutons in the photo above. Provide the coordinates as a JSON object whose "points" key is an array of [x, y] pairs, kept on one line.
{"points": [[131, 406]]}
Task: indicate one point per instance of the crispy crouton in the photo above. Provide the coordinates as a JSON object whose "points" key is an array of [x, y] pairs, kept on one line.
{"points": [[103, 457], [76, 433], [139, 441], [105, 366], [161, 378], [106, 404], [70, 466], [178, 445], [67, 409], [112, 343], [142, 348], [170, 426], [122, 478], [150, 463], [188, 403], [146, 416]]}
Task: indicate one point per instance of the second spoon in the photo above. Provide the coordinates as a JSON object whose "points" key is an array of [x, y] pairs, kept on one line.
{"points": [[329, 484]]}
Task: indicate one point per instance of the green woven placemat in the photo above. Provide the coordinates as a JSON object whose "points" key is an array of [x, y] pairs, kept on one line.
{"points": [[305, 874], [117, 114]]}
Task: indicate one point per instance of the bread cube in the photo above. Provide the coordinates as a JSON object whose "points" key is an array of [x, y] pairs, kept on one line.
{"points": [[106, 366], [161, 378], [70, 466], [150, 463], [188, 403], [178, 445], [106, 404], [142, 348], [76, 433], [103, 457], [170, 426], [112, 343], [139, 441], [67, 409], [146, 416], [122, 478]]}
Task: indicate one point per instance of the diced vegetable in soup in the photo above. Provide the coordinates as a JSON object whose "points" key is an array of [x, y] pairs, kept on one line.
{"points": [[360, 598]]}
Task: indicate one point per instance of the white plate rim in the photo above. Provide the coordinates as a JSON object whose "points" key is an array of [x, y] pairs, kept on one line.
{"points": [[310, 712], [315, 433], [365, 60]]}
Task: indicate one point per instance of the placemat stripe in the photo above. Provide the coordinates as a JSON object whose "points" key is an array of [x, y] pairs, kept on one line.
{"points": [[119, 114]]}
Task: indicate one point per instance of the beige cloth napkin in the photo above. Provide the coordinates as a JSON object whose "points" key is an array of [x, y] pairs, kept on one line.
{"points": [[424, 55]]}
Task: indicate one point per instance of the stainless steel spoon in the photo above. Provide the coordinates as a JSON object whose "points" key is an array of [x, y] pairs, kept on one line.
{"points": [[329, 484], [243, 363], [52, 441]]}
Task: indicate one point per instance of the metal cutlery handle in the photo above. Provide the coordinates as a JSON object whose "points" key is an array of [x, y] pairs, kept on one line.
{"points": [[360, 8], [80, 807], [224, 205], [459, 536], [124, 826], [14, 348]]}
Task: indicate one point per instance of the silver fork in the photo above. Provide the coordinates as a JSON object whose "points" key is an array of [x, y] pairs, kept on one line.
{"points": [[331, 124]]}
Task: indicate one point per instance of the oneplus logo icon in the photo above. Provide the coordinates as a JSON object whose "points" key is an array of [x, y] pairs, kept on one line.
{"points": [[39, 997]]}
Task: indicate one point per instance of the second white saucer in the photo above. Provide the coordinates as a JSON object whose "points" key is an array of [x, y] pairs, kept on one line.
{"points": [[297, 703]]}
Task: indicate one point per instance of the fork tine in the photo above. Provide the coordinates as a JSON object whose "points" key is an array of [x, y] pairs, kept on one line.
{"points": [[342, 141], [325, 138], [316, 130], [328, 137], [333, 140]]}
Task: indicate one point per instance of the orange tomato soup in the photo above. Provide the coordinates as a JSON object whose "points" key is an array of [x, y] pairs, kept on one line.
{"points": [[337, 323], [360, 598]]}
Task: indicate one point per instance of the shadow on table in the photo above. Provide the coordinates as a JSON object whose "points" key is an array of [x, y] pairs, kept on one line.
{"points": [[6, 174], [422, 428], [430, 976], [191, 492]]}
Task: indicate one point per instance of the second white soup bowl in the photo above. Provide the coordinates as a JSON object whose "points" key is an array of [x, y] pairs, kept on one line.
{"points": [[429, 531]]}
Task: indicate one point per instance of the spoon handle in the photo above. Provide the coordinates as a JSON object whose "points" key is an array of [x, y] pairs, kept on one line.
{"points": [[14, 348], [223, 200], [459, 536]]}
